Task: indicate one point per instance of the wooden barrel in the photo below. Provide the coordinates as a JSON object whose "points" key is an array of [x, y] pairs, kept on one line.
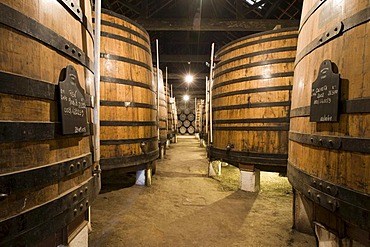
{"points": [[174, 109], [329, 138], [162, 112], [199, 114], [47, 177], [186, 123], [182, 117], [191, 130], [170, 115], [129, 138], [187, 111], [182, 130], [204, 133], [251, 99], [191, 117]]}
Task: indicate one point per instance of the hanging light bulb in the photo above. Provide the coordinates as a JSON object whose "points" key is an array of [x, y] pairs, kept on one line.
{"points": [[189, 78]]}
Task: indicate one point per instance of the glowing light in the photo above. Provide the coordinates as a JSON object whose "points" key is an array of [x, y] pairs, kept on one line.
{"points": [[186, 97], [189, 78]]}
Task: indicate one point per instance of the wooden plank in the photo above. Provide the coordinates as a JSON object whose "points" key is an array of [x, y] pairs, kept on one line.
{"points": [[246, 25]]}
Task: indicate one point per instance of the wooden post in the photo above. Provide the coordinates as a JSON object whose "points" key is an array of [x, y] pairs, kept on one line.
{"points": [[210, 93], [157, 55]]}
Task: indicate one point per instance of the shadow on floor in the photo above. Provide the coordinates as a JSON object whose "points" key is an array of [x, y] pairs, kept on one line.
{"points": [[180, 174], [111, 181], [216, 224]]}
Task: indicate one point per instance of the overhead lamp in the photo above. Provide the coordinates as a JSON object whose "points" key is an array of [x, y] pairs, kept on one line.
{"points": [[189, 78], [186, 97]]}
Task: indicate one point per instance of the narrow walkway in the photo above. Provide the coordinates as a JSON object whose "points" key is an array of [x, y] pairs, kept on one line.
{"points": [[184, 207]]}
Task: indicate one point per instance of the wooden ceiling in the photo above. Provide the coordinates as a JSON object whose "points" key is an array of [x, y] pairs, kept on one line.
{"points": [[185, 30]]}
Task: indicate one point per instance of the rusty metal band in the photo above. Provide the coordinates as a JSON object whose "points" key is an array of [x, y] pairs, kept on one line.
{"points": [[12, 183], [35, 131], [253, 90], [28, 228], [252, 120], [125, 29], [361, 105], [300, 112], [163, 119], [126, 40], [252, 128], [252, 78], [126, 60], [108, 12], [127, 104], [314, 8], [262, 161], [353, 106], [162, 128], [25, 86], [283, 37], [36, 30], [350, 205], [258, 53], [75, 10], [127, 123], [251, 65], [250, 105], [128, 161], [336, 31], [343, 143], [125, 82], [128, 141]]}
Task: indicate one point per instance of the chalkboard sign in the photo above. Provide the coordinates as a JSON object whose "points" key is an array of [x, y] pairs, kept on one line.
{"points": [[325, 95], [72, 102]]}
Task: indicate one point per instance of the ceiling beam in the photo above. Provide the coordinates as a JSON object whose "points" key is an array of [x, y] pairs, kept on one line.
{"points": [[179, 97], [272, 8], [200, 76], [182, 91], [159, 9], [182, 58], [249, 25], [253, 8], [131, 7]]}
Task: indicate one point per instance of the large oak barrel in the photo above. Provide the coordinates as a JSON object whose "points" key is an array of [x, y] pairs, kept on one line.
{"points": [[198, 119], [162, 111], [129, 138], [251, 99], [47, 178], [329, 138], [171, 116], [205, 126]]}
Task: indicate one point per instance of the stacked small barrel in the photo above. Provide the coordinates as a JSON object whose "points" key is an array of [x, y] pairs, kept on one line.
{"points": [[186, 122]]}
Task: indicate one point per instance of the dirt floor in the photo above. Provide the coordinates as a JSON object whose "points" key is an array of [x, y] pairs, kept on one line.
{"points": [[184, 207]]}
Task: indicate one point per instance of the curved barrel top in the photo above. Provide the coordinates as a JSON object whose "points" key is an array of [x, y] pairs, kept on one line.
{"points": [[224, 49]]}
